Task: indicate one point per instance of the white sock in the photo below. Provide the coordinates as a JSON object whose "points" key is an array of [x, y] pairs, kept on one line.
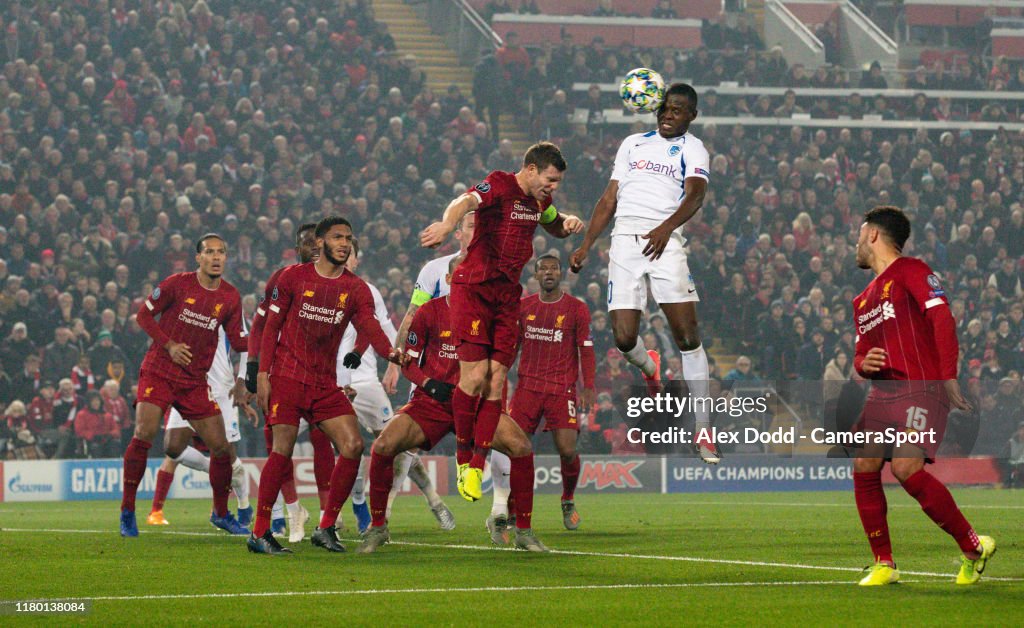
{"points": [[695, 372], [418, 474], [358, 496], [637, 356], [501, 468], [402, 463], [240, 483], [278, 511], [293, 509], [192, 459]]}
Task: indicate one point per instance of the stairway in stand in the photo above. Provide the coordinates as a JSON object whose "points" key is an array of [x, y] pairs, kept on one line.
{"points": [[755, 8], [441, 65]]}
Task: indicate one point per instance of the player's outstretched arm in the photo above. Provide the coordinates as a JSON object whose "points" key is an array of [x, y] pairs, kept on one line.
{"points": [[562, 225], [391, 374], [368, 327], [604, 211], [435, 235], [693, 199]]}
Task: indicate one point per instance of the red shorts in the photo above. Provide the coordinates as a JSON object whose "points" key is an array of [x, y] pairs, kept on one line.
{"points": [[192, 401], [485, 320], [291, 401], [919, 411], [433, 417], [558, 411]]}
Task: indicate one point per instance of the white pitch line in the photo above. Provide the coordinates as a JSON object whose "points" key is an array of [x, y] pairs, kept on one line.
{"points": [[491, 548], [508, 589], [815, 505], [690, 559]]}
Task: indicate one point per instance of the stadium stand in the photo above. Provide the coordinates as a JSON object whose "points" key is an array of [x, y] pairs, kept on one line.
{"points": [[128, 129]]}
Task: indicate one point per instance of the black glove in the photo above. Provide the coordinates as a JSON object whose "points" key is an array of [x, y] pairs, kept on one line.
{"points": [[252, 369], [439, 391], [352, 360]]}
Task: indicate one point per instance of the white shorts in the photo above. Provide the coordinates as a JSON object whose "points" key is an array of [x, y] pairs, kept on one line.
{"points": [[227, 410], [630, 272], [372, 405]]}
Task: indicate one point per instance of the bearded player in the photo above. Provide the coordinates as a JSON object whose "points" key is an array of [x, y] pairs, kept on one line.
{"points": [[297, 379], [357, 366], [307, 250], [230, 394], [556, 347], [657, 184], [486, 290], [427, 418], [192, 308], [907, 345]]}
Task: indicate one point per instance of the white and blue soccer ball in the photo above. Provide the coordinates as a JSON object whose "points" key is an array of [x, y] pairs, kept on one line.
{"points": [[642, 90]]}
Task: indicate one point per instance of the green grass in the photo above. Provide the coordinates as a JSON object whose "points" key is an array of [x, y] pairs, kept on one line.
{"points": [[628, 550]]}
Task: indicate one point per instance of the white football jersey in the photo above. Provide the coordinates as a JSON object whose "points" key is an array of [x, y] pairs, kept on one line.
{"points": [[368, 367], [431, 281], [221, 376], [651, 170]]}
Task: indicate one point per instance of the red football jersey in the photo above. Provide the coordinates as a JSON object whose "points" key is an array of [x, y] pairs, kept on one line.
{"points": [[259, 319], [306, 317], [431, 345], [891, 314], [552, 334], [503, 237], [191, 314]]}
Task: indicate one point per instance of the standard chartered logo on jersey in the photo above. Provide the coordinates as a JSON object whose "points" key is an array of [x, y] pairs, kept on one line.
{"points": [[875, 317], [448, 351], [543, 333], [520, 212], [320, 314], [197, 319]]}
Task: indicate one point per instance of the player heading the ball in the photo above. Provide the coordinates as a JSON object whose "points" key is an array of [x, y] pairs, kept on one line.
{"points": [[657, 184], [486, 290]]}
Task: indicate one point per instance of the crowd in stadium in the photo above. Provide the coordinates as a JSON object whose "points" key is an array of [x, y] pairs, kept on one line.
{"points": [[126, 134]]}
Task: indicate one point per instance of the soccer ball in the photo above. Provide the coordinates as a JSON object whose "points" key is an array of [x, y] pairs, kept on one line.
{"points": [[642, 90]]}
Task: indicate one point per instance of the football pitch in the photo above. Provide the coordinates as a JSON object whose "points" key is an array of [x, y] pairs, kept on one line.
{"points": [[751, 559]]}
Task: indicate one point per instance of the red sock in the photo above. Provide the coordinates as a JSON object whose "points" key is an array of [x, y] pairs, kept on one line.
{"points": [[342, 480], [382, 476], [163, 485], [134, 471], [464, 412], [288, 486], [570, 475], [938, 504], [872, 507], [268, 438], [220, 482], [323, 463], [521, 487], [483, 433], [271, 478]]}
